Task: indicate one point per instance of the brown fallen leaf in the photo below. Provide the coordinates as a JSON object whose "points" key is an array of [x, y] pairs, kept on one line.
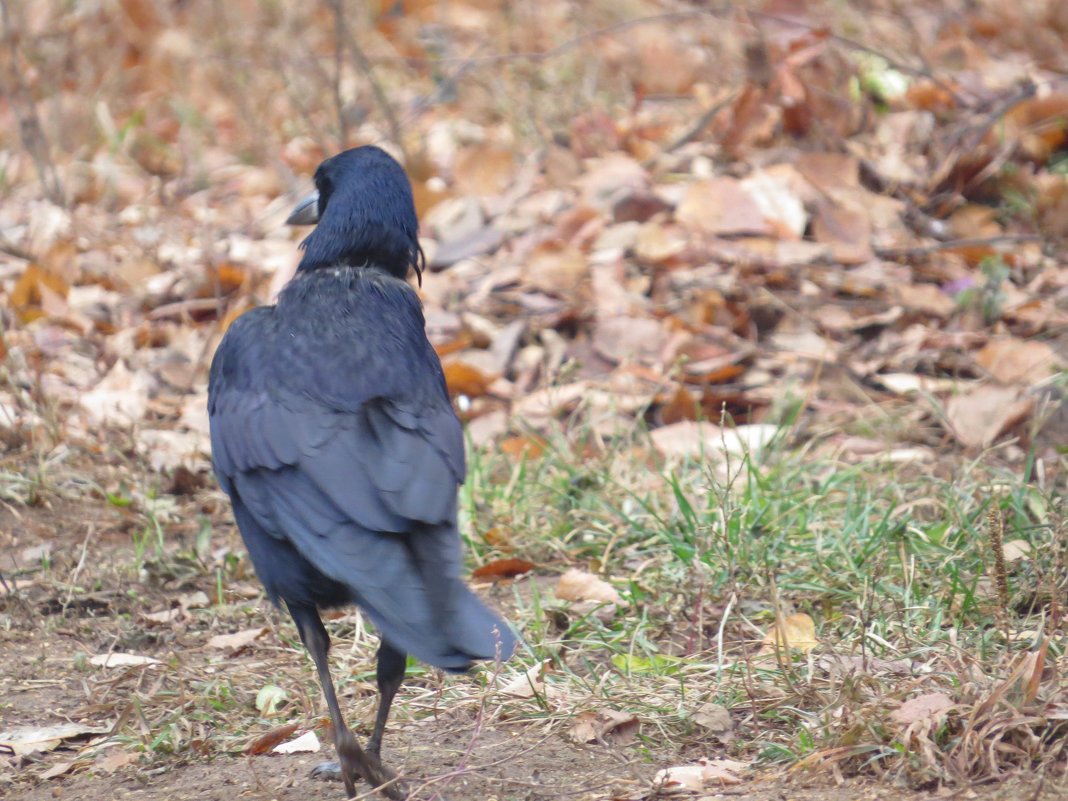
{"points": [[630, 339], [694, 440], [845, 230], [925, 299], [503, 568], [38, 292], [27, 739], [979, 417], [578, 585], [120, 398], [922, 707], [60, 769], [716, 720], [696, 777], [521, 446], [267, 741], [721, 207], [164, 616], [609, 725], [1015, 550], [829, 171], [528, 683], [793, 631], [115, 760], [482, 170], [237, 640], [1017, 361], [556, 269], [681, 406], [463, 379]]}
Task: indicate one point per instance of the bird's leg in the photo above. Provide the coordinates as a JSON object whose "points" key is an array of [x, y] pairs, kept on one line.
{"points": [[390, 671], [354, 761]]}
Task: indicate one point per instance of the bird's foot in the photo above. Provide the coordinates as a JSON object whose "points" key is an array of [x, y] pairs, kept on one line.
{"points": [[360, 764], [327, 771]]}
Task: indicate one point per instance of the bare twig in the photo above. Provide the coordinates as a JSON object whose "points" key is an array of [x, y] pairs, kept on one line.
{"points": [[696, 129], [853, 44], [30, 129], [72, 581], [973, 242], [340, 36], [363, 64]]}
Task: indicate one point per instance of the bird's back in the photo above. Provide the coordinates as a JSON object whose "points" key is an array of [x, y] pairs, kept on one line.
{"points": [[333, 434]]}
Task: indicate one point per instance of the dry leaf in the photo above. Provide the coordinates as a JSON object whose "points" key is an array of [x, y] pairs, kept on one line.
{"points": [[463, 379], [27, 739], [1018, 361], [122, 660], [529, 683], [695, 440], [829, 172], [630, 339], [779, 202], [922, 707], [721, 207], [115, 760], [37, 288], [979, 417], [697, 777], [605, 724], [120, 398], [660, 61], [307, 743], [845, 230], [658, 243], [1015, 550], [556, 269], [503, 568], [267, 742], [577, 585], [716, 719], [925, 299], [164, 616], [522, 447], [481, 170], [198, 599], [794, 631], [237, 640]]}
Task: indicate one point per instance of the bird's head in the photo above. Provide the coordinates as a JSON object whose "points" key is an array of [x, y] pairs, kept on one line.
{"points": [[364, 215]]}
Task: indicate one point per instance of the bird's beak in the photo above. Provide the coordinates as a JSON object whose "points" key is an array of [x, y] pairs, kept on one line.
{"points": [[306, 212]]}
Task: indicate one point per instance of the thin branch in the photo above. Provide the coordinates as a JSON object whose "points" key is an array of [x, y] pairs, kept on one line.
{"points": [[363, 64], [30, 129], [694, 130], [974, 242], [340, 36], [853, 44]]}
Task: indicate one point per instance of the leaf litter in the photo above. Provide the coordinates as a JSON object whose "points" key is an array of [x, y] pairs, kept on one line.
{"points": [[747, 209]]}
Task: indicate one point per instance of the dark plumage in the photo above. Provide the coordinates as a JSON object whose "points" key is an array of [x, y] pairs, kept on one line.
{"points": [[333, 435]]}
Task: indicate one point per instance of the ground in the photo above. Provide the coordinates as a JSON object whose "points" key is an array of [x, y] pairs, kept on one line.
{"points": [[184, 723]]}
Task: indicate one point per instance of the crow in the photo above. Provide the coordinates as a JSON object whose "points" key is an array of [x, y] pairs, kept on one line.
{"points": [[334, 437]]}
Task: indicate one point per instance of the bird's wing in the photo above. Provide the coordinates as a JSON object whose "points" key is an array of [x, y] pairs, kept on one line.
{"points": [[356, 480], [383, 462]]}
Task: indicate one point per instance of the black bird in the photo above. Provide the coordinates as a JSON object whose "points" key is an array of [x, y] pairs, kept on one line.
{"points": [[333, 435]]}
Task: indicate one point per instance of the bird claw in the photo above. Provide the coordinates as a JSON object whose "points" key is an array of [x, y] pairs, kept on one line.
{"points": [[361, 765], [327, 772]]}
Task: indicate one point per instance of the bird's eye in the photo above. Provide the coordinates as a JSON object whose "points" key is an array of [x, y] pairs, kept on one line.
{"points": [[325, 187]]}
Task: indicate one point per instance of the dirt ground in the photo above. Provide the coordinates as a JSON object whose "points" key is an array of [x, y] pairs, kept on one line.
{"points": [[182, 736]]}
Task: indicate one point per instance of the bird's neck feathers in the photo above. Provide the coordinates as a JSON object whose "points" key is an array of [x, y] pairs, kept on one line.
{"points": [[360, 233]]}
